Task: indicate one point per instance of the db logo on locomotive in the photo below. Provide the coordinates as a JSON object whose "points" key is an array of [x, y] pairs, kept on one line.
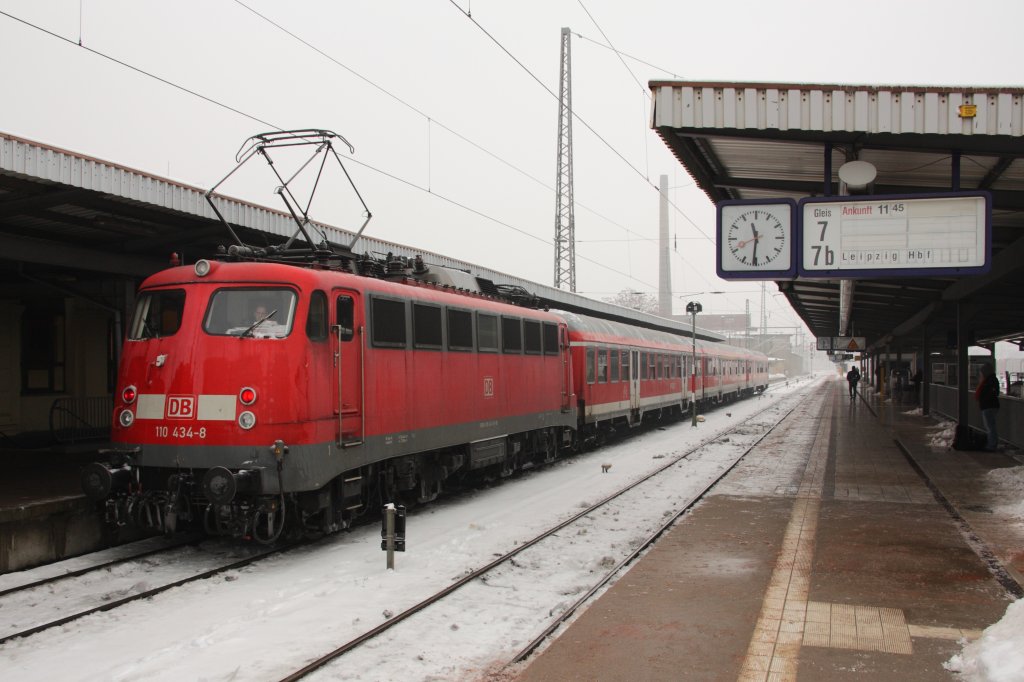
{"points": [[181, 407]]}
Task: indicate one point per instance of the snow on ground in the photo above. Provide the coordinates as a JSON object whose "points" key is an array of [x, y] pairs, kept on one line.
{"points": [[998, 656]]}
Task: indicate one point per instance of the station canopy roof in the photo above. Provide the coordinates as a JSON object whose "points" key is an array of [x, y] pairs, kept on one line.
{"points": [[769, 140]]}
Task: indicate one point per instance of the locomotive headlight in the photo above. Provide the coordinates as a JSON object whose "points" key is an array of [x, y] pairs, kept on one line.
{"points": [[126, 418], [129, 394], [247, 395], [202, 267], [247, 420]]}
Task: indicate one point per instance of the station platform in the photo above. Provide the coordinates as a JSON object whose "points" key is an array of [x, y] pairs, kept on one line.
{"points": [[44, 516], [824, 555]]}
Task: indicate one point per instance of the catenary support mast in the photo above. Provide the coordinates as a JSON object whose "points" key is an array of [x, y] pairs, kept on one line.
{"points": [[565, 222]]}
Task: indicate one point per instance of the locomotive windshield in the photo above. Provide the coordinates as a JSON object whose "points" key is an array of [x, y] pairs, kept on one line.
{"points": [[157, 313], [265, 313]]}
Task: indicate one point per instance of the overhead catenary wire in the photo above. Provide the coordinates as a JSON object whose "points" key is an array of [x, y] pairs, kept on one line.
{"points": [[276, 127], [577, 117]]}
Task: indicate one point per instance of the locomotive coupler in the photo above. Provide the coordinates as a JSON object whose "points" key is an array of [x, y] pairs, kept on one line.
{"points": [[99, 479], [221, 485]]}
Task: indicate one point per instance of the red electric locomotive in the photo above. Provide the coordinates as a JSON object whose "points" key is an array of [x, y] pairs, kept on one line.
{"points": [[254, 392]]}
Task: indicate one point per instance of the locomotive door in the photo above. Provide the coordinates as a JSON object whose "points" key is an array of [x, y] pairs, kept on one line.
{"points": [[347, 339]]}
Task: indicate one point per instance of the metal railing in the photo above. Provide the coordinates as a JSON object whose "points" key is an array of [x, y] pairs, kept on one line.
{"points": [[73, 420], [1009, 423]]}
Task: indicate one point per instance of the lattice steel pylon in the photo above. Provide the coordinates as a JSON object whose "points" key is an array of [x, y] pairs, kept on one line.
{"points": [[565, 220]]}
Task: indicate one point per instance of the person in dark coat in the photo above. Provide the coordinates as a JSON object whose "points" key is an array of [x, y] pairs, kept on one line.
{"points": [[853, 376], [987, 395]]}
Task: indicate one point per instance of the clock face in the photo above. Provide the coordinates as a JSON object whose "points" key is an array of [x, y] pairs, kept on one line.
{"points": [[755, 239]]}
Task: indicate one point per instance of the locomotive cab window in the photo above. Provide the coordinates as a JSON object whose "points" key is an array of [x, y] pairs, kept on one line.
{"points": [[157, 313], [261, 313], [344, 317], [426, 326], [388, 322], [316, 320]]}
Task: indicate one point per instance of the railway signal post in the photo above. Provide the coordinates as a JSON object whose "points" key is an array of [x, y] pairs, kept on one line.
{"points": [[392, 532], [693, 307]]}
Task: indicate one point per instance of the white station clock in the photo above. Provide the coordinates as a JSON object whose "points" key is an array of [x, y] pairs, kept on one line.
{"points": [[755, 239]]}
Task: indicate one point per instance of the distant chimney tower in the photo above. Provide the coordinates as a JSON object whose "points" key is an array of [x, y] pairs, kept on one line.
{"points": [[664, 272]]}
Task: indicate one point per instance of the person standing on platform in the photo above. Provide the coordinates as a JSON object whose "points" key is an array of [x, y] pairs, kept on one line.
{"points": [[853, 376], [987, 395]]}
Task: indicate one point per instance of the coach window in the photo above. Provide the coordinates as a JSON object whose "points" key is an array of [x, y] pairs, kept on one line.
{"points": [[487, 333], [316, 320], [602, 366], [531, 337], [460, 329], [652, 371], [625, 365], [590, 365], [426, 326], [550, 339], [388, 322], [511, 335], [614, 362], [643, 365]]}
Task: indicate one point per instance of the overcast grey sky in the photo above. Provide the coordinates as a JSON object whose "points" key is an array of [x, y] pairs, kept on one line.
{"points": [[455, 139]]}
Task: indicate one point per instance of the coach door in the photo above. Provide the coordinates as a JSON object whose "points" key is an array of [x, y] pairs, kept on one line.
{"points": [[563, 349], [634, 383], [347, 338]]}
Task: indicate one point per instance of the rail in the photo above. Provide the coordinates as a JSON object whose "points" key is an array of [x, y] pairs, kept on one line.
{"points": [[77, 419]]}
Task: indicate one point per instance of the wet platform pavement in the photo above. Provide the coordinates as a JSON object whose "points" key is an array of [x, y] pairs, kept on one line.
{"points": [[823, 556]]}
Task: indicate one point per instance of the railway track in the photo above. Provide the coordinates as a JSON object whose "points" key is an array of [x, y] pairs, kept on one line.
{"points": [[499, 572], [55, 600], [102, 559]]}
